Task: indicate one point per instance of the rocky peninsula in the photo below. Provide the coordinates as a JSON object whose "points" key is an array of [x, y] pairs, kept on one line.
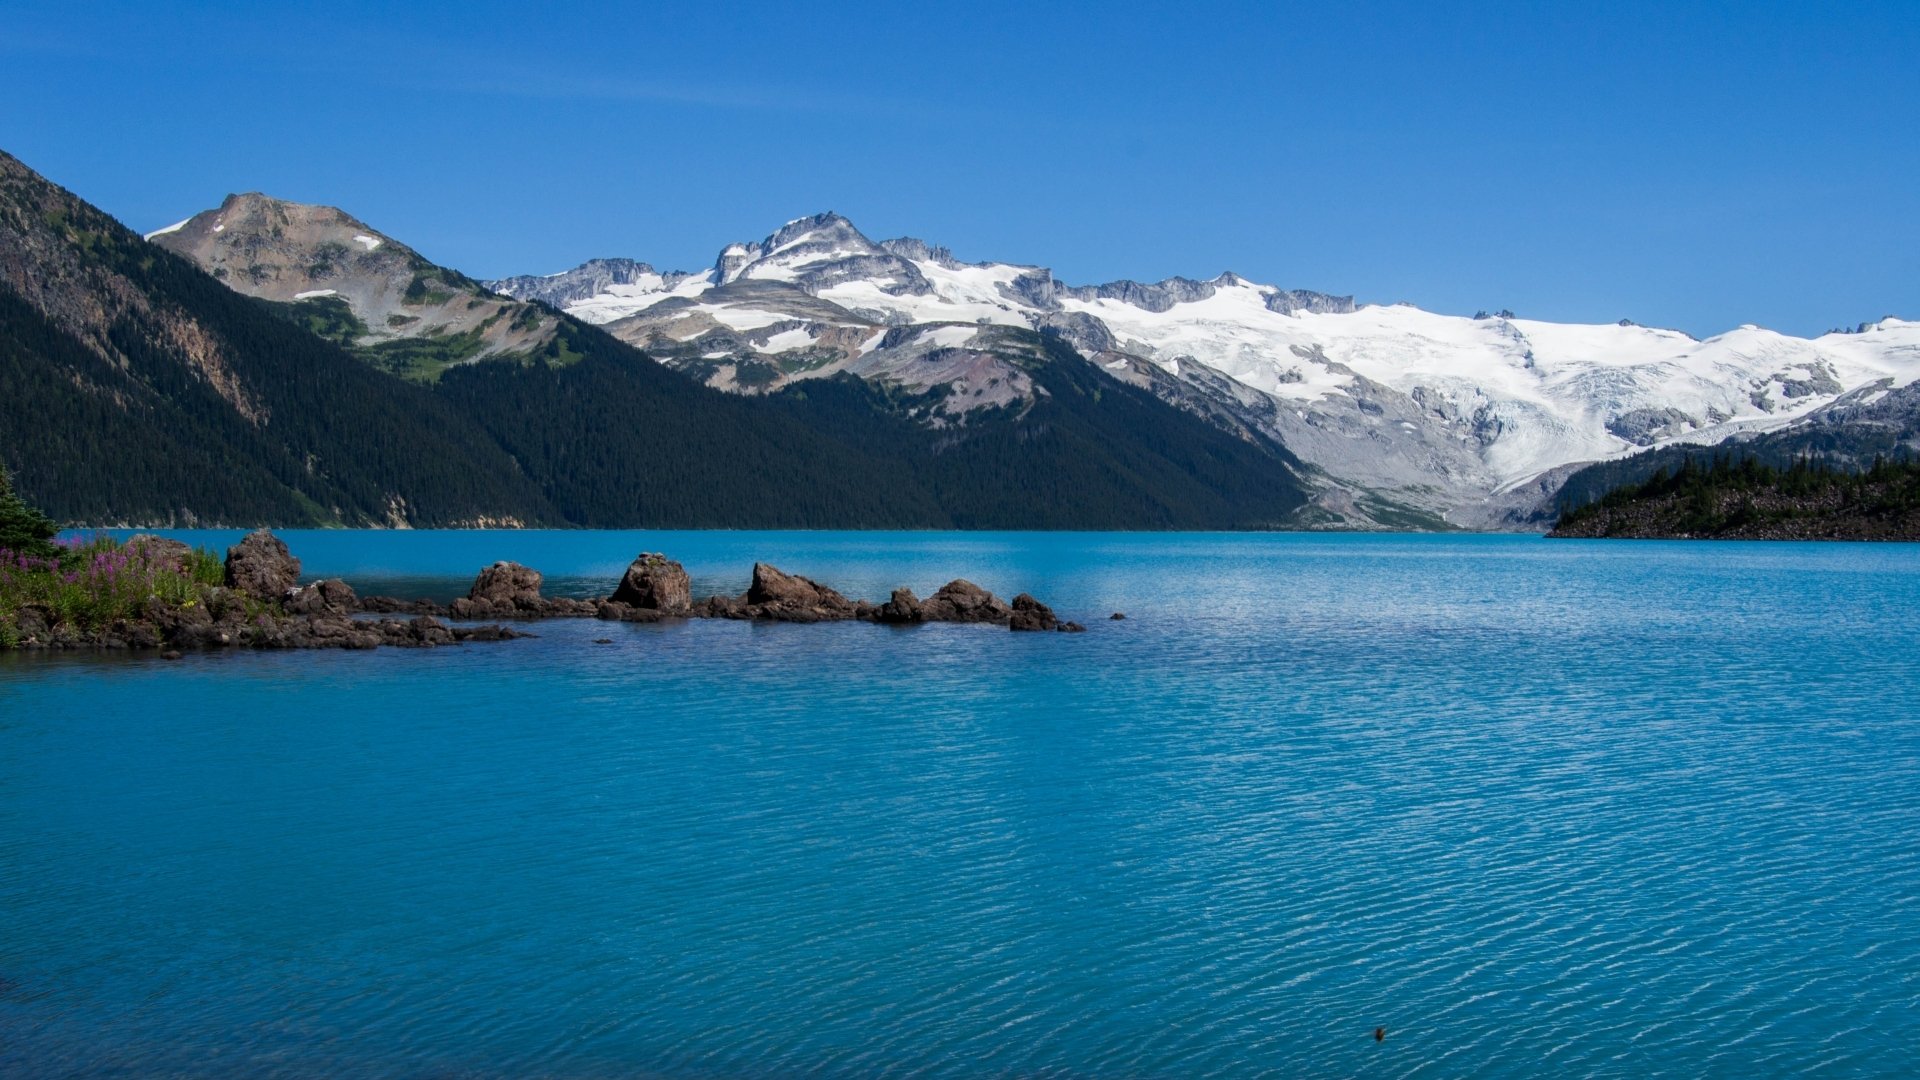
{"points": [[155, 593]]}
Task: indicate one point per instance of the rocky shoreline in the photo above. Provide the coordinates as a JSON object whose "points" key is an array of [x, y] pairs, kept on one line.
{"points": [[262, 605]]}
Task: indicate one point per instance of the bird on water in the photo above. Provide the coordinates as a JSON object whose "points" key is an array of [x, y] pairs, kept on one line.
{"points": [[1379, 1034]]}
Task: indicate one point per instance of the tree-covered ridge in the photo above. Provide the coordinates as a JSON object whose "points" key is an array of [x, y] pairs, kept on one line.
{"points": [[137, 389], [1725, 497]]}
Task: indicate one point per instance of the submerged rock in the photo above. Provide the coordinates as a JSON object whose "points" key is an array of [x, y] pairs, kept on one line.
{"points": [[391, 605], [617, 611]]}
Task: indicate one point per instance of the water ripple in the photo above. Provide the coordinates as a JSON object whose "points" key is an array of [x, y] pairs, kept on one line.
{"points": [[1536, 808]]}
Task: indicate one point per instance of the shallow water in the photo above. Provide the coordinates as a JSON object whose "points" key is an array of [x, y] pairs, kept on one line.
{"points": [[1534, 806]]}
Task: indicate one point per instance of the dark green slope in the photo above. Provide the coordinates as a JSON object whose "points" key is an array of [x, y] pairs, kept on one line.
{"points": [[138, 388], [1746, 499], [1849, 435], [1092, 453], [134, 387], [617, 440]]}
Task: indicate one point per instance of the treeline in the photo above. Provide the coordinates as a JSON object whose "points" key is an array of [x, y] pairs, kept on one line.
{"points": [[1728, 495]]}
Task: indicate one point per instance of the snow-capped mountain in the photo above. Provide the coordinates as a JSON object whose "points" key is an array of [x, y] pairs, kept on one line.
{"points": [[1398, 407]]}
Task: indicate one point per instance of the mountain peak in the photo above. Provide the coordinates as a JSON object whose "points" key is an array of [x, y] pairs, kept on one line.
{"points": [[794, 248]]}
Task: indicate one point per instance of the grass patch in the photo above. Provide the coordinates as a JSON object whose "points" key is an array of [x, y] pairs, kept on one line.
{"points": [[92, 582]]}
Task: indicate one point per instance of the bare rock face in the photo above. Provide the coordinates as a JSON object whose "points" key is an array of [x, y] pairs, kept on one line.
{"points": [[261, 566], [330, 597], [964, 602], [656, 583], [1031, 614], [506, 583], [902, 607]]}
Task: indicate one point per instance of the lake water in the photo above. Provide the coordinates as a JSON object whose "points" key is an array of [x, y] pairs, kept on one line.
{"points": [[1536, 807]]}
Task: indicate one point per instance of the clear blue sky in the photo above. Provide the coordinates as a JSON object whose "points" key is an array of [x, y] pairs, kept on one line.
{"points": [[1688, 165]]}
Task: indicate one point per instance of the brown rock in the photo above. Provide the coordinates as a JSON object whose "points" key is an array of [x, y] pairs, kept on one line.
{"points": [[963, 601], [329, 597], [261, 566], [507, 584], [1031, 614], [903, 607], [720, 607], [655, 582], [390, 605], [159, 551], [776, 594]]}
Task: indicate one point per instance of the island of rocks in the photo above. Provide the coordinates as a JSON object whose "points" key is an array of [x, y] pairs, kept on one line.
{"points": [[261, 604]]}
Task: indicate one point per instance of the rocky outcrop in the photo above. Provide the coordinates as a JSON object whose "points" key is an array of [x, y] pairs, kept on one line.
{"points": [[777, 595], [159, 551], [508, 590], [962, 601], [656, 583], [261, 567], [260, 609], [223, 617], [900, 609], [1031, 614], [506, 583], [330, 597]]}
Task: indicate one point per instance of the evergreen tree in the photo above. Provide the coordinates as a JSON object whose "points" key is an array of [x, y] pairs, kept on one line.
{"points": [[23, 529]]}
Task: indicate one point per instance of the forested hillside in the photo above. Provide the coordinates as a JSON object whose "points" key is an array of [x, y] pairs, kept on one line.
{"points": [[1747, 499], [135, 388]]}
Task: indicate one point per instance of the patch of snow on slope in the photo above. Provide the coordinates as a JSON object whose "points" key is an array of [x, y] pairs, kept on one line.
{"points": [[745, 318], [313, 293], [175, 227], [787, 339], [620, 301], [774, 268], [947, 337], [956, 306], [368, 242]]}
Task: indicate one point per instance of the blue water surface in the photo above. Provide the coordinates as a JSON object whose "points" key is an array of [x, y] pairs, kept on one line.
{"points": [[1536, 807]]}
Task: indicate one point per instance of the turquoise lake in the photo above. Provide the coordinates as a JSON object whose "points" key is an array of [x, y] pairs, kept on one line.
{"points": [[1536, 807]]}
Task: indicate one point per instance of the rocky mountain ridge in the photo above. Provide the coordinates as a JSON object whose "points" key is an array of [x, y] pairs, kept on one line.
{"points": [[1471, 419], [140, 389], [356, 285]]}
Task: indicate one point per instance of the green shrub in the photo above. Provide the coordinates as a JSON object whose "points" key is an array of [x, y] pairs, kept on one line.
{"points": [[90, 582]]}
